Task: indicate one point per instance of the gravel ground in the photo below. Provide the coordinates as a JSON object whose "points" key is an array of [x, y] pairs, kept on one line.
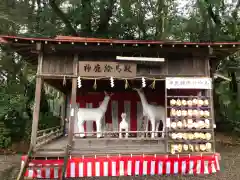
{"points": [[230, 164]]}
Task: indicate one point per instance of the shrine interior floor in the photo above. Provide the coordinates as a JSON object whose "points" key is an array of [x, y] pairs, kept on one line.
{"points": [[103, 146]]}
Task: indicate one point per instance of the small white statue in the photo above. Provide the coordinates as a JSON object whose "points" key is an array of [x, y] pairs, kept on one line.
{"points": [[123, 125]]}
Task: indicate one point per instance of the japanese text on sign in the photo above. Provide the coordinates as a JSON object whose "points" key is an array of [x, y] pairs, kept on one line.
{"points": [[96, 68], [188, 83]]}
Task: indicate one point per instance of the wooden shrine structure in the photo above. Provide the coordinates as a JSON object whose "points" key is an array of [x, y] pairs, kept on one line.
{"points": [[83, 68]]}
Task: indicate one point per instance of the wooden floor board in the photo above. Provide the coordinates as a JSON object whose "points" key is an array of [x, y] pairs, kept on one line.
{"points": [[106, 146]]}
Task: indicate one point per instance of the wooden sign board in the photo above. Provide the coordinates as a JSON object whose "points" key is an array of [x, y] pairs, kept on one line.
{"points": [[107, 69], [188, 83]]}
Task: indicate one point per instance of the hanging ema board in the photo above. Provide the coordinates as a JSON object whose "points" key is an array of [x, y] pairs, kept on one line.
{"points": [[190, 119]]}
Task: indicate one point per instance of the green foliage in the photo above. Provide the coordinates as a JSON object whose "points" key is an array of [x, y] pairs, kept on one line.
{"points": [[227, 108], [16, 102], [5, 139], [48, 120]]}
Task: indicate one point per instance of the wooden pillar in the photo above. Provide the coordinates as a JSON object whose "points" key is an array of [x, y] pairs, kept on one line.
{"points": [[63, 110], [238, 85], [37, 100], [210, 93], [64, 113], [73, 100]]}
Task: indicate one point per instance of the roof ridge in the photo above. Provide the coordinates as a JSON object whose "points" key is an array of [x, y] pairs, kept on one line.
{"points": [[5, 39]]}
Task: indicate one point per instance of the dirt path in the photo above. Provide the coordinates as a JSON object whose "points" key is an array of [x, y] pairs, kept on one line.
{"points": [[230, 165], [9, 166]]}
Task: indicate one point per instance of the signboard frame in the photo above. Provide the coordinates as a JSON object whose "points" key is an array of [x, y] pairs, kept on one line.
{"points": [[188, 83], [107, 69]]}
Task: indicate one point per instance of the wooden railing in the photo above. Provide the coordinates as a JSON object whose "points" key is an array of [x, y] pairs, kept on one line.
{"points": [[132, 134], [47, 135]]}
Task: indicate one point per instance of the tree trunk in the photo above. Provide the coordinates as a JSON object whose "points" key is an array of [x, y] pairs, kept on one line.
{"points": [[86, 28], [106, 12]]}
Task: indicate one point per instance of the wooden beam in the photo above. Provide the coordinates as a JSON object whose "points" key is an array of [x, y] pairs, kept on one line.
{"points": [[138, 76], [73, 100], [153, 51], [78, 153], [56, 76], [37, 102]]}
